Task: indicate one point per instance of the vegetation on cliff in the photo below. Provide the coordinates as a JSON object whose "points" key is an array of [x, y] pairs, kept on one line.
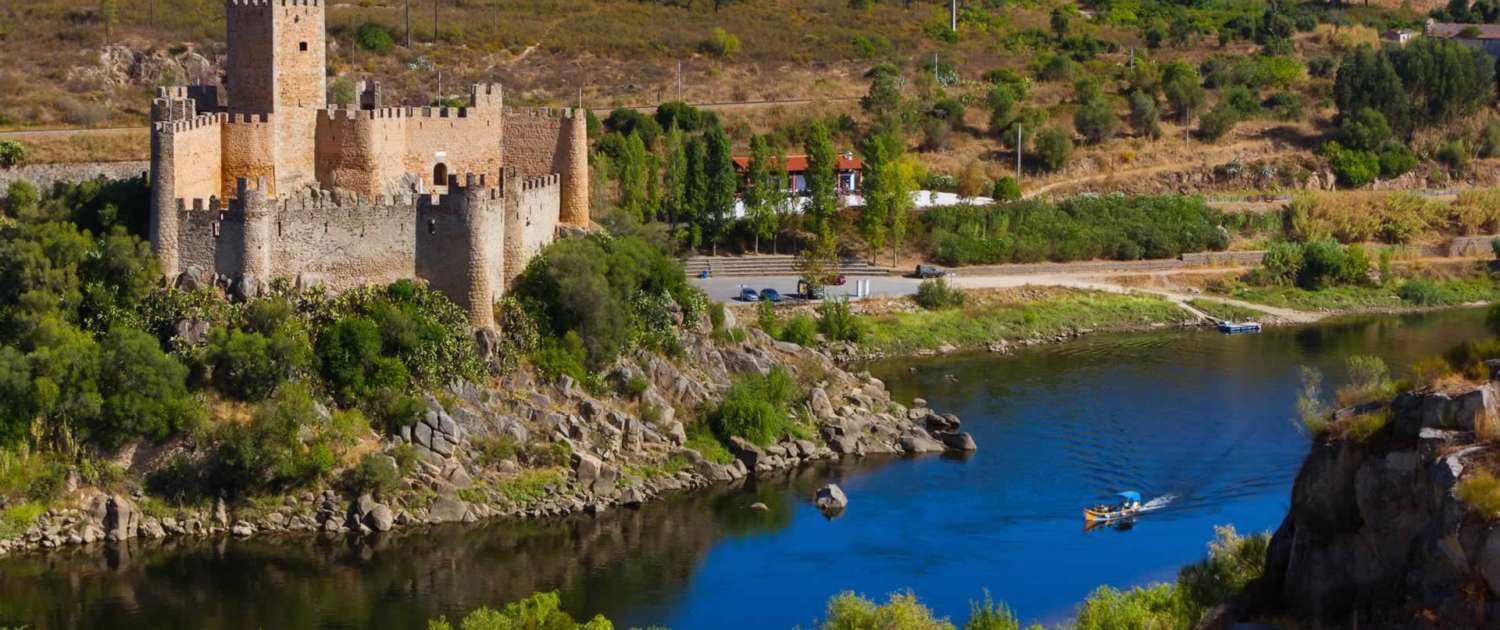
{"points": [[1232, 563]]}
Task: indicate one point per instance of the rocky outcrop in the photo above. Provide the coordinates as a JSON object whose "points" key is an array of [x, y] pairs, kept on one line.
{"points": [[831, 500], [521, 447], [1376, 530]]}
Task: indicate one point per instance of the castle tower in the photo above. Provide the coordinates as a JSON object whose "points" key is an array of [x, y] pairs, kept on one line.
{"points": [[255, 206], [277, 55], [574, 204], [459, 238]]}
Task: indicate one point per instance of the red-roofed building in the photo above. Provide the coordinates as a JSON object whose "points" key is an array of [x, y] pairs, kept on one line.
{"points": [[848, 172]]}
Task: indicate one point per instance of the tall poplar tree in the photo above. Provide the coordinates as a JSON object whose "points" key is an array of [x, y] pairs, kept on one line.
{"points": [[822, 164], [720, 180]]}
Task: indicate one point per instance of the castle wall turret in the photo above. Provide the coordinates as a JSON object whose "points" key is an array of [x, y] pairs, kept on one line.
{"points": [[459, 239], [185, 162], [542, 141]]}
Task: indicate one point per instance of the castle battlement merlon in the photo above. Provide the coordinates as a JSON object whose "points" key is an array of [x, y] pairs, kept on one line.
{"points": [[544, 112], [274, 3], [543, 181], [198, 121]]}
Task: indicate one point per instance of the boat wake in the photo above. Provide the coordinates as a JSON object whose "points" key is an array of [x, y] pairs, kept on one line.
{"points": [[1157, 503]]}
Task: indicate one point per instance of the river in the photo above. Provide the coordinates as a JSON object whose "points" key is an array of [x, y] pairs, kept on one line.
{"points": [[1203, 416]]}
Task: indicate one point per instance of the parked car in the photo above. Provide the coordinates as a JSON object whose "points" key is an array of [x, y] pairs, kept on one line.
{"points": [[748, 294], [770, 295], [808, 291], [837, 281], [928, 271]]}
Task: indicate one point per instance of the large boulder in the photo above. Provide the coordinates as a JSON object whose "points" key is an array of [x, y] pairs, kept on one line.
{"points": [[447, 509], [830, 499], [818, 400], [380, 518], [746, 452]]}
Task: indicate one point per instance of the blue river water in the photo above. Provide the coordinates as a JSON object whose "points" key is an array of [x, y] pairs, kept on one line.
{"points": [[1199, 415]]}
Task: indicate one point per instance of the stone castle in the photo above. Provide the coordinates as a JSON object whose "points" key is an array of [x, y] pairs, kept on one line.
{"points": [[264, 179]]}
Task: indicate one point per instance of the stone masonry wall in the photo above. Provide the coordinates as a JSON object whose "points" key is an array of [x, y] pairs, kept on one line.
{"points": [[249, 151], [540, 142], [249, 73], [362, 150], [455, 242]]}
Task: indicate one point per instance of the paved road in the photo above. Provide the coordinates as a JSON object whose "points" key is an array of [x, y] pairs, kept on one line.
{"points": [[726, 289]]}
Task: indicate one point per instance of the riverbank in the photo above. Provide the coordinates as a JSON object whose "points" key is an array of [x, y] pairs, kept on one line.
{"points": [[521, 446]]}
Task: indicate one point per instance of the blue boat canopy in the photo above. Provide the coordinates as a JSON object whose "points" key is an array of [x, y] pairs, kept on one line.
{"points": [[1130, 495]]}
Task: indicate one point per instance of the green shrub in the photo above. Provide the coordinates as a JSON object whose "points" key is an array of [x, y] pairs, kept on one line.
{"points": [[766, 319], [1424, 292], [376, 472], [1396, 160], [849, 611], [756, 407], [1006, 189], [374, 38], [280, 448], [1051, 148], [936, 294], [16, 518], [1218, 121], [144, 391], [1455, 155], [1233, 562], [548, 454], [721, 43], [490, 450], [592, 285], [562, 357], [12, 153], [800, 329], [539, 611], [1155, 606], [250, 365], [1481, 491], [838, 323]]}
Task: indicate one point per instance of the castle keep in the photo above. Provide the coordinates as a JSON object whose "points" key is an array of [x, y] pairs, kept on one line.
{"points": [[264, 179]]}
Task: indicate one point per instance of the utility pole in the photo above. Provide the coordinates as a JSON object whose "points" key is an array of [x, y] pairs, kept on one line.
{"points": [[434, 22], [439, 100], [408, 23], [679, 81], [953, 15], [1018, 155]]}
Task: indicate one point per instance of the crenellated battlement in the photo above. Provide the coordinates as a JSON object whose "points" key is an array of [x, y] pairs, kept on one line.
{"points": [[250, 4], [198, 121], [352, 113], [544, 112], [537, 183]]}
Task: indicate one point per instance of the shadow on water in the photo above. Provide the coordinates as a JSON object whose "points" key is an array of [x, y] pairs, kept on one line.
{"points": [[1200, 415], [612, 563]]}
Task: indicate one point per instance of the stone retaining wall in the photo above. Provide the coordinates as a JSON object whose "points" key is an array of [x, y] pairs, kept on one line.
{"points": [[45, 175]]}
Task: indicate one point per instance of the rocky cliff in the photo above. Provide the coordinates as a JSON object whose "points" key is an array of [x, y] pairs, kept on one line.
{"points": [[1376, 535]]}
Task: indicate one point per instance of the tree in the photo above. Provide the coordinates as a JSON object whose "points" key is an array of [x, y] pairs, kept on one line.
{"points": [[1367, 79], [1218, 121], [760, 193], [18, 402], [342, 91], [695, 189], [1365, 130], [1096, 121], [880, 151], [1061, 21], [822, 163], [144, 390], [107, 11], [720, 180], [1183, 88], [1051, 148], [1444, 78], [1144, 116], [971, 181], [631, 173], [674, 199], [883, 102]]}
